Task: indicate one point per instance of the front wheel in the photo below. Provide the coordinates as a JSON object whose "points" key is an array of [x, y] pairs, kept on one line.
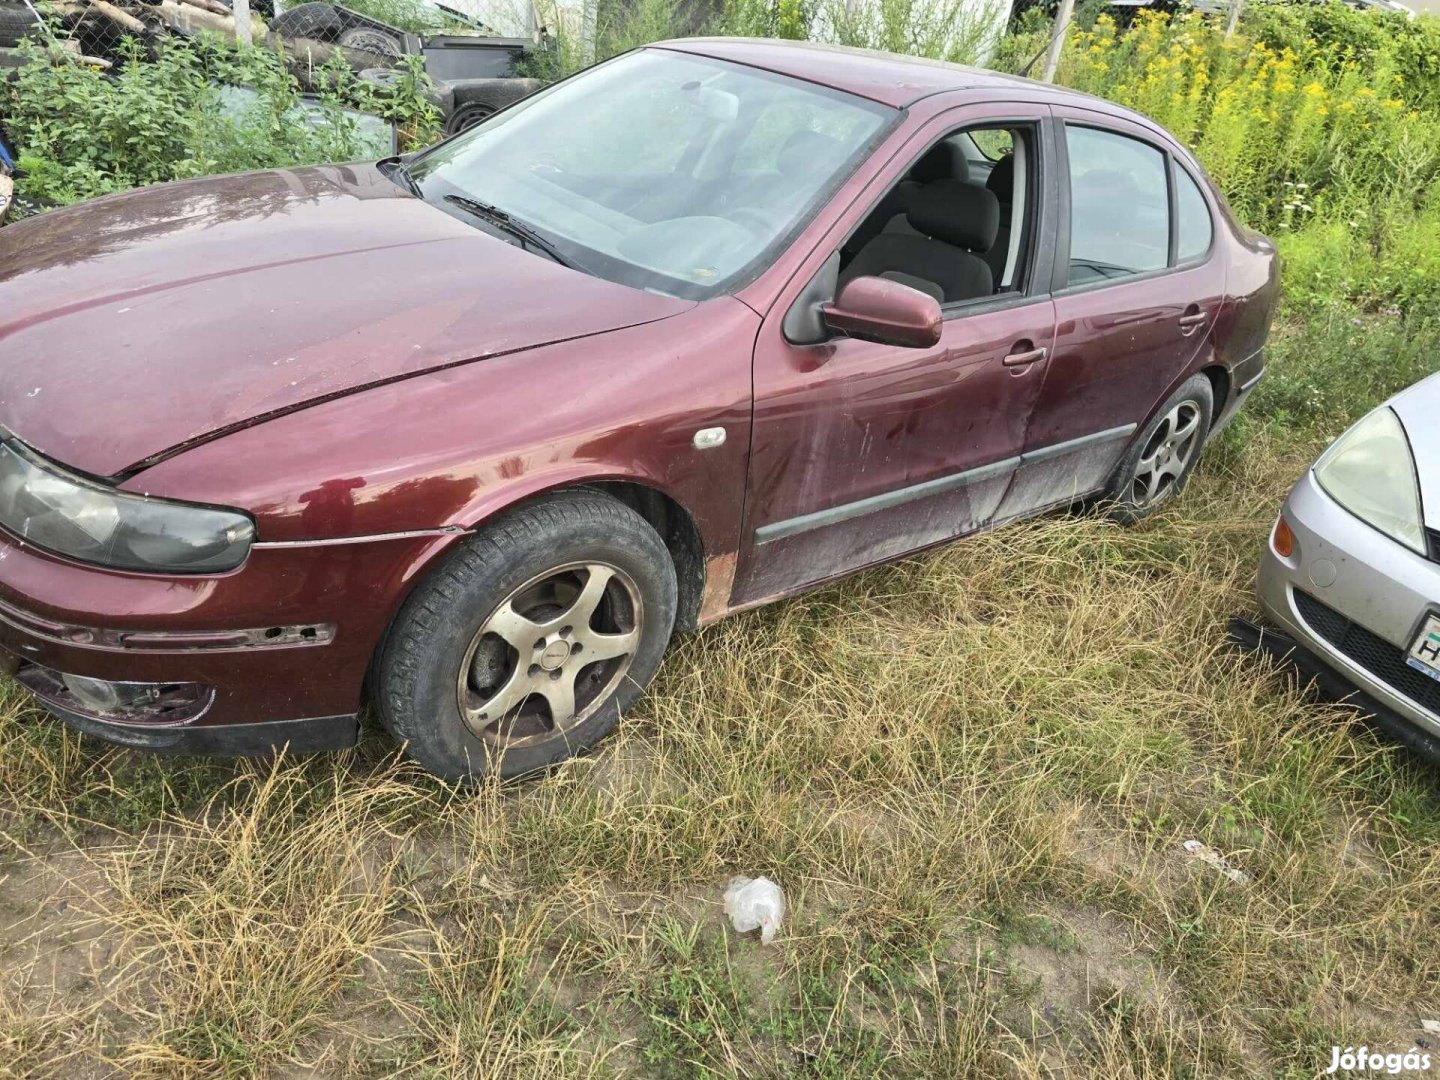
{"points": [[1160, 461], [526, 645]]}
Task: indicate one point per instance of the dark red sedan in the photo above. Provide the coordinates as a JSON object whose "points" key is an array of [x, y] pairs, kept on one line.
{"points": [[471, 433]]}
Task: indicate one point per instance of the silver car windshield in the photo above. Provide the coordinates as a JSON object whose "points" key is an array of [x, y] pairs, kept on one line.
{"points": [[658, 169]]}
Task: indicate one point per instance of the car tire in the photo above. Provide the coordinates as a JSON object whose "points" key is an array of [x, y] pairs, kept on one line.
{"points": [[1160, 461], [465, 116], [313, 20], [17, 22], [476, 99], [375, 42], [457, 648]]}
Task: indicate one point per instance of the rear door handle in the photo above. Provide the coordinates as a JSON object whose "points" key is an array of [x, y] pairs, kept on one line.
{"points": [[1192, 319], [1024, 359]]}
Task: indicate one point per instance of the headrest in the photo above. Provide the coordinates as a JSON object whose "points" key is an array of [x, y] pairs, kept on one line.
{"points": [[1002, 179], [809, 151], [943, 161], [965, 215]]}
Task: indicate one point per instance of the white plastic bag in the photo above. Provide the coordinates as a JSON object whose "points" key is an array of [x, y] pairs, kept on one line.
{"points": [[755, 903]]}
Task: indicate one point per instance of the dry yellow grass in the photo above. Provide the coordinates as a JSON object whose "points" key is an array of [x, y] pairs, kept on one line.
{"points": [[972, 772]]}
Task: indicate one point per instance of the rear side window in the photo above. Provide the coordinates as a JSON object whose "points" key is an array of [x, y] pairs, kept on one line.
{"points": [[1193, 216], [1119, 206]]}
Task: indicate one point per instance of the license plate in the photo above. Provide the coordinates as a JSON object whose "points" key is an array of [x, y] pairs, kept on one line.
{"points": [[1425, 652]]}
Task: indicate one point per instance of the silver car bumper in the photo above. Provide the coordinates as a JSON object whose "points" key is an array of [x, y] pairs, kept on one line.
{"points": [[1356, 599]]}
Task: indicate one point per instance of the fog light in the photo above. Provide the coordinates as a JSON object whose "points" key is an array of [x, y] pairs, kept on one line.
{"points": [[118, 701], [102, 696], [1283, 539]]}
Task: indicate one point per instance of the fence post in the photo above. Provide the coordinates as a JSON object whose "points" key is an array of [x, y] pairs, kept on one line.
{"points": [[241, 11], [589, 18], [1235, 8], [1057, 38]]}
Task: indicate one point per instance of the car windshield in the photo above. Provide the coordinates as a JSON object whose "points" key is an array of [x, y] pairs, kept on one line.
{"points": [[658, 169]]}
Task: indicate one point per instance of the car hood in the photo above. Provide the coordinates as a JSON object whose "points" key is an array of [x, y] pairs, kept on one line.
{"points": [[140, 323], [1417, 408]]}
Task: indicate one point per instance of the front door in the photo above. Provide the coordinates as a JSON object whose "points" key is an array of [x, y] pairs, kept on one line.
{"points": [[1137, 286], [862, 451]]}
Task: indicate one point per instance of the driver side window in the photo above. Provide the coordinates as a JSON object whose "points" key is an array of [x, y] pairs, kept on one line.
{"points": [[958, 225]]}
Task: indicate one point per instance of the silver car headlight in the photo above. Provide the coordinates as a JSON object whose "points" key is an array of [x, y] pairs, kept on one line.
{"points": [[1370, 471], [72, 515]]}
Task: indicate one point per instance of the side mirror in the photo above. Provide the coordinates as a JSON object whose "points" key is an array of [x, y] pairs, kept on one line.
{"points": [[876, 309]]}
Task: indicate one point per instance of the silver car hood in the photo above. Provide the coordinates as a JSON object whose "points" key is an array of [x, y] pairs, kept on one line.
{"points": [[1419, 410]]}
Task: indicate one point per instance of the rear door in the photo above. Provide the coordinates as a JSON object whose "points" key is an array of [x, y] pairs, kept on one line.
{"points": [[863, 451], [1138, 284]]}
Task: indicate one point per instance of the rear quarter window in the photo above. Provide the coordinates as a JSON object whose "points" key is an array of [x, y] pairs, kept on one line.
{"points": [[1193, 215]]}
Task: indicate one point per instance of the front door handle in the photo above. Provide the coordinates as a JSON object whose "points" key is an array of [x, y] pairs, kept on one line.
{"points": [[1025, 358]]}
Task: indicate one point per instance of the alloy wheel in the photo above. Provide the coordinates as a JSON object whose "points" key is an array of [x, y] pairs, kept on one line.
{"points": [[1167, 455], [551, 654]]}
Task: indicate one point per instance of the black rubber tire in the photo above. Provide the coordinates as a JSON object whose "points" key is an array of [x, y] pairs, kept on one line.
{"points": [[373, 41], [466, 115], [17, 22], [475, 99], [312, 20], [1119, 497], [417, 667]]}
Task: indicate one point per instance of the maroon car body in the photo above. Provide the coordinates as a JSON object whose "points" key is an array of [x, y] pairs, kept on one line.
{"points": [[372, 380]]}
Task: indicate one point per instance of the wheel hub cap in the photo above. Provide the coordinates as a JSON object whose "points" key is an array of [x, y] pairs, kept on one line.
{"points": [[554, 655], [1166, 456], [551, 654]]}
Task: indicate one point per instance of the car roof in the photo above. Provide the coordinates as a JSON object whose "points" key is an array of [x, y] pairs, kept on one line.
{"points": [[888, 78]]}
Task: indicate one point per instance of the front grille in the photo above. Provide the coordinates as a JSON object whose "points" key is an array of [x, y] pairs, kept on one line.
{"points": [[1369, 651]]}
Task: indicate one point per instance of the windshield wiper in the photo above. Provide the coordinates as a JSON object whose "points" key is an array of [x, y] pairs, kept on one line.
{"points": [[513, 225], [397, 168]]}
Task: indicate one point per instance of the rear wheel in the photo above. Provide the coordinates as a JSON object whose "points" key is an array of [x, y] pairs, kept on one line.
{"points": [[1160, 461], [524, 648]]}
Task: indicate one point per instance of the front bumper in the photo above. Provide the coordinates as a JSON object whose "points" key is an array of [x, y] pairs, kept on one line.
{"points": [[296, 736], [1354, 600], [277, 650]]}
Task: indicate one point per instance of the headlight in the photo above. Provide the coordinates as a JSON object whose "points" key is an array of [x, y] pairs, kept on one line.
{"points": [[75, 516], [1370, 471]]}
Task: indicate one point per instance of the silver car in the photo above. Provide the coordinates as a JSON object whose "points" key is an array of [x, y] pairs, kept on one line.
{"points": [[1351, 574]]}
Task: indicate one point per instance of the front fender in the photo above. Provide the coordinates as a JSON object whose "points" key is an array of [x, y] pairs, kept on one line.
{"points": [[452, 448]]}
